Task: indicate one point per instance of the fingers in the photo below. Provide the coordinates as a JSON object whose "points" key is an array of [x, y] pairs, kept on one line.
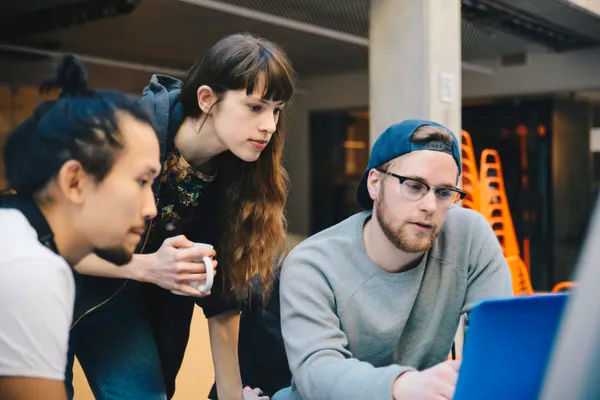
{"points": [[447, 376], [194, 253], [190, 291], [251, 394], [257, 391], [446, 390], [190, 278], [179, 241], [454, 364], [186, 268], [447, 371]]}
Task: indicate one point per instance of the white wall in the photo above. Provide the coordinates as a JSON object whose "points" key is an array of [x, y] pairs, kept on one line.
{"points": [[543, 73], [414, 60]]}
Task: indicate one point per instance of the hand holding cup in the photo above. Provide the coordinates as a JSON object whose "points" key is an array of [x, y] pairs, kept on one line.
{"points": [[206, 285]]}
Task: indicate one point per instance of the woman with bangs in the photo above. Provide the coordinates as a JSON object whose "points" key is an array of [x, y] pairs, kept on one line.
{"points": [[221, 138]]}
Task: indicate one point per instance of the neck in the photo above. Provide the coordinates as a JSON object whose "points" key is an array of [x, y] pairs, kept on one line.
{"points": [[70, 245], [383, 252], [197, 141]]}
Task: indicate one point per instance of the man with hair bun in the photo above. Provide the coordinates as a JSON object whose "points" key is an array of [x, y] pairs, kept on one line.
{"points": [[82, 167], [370, 306]]}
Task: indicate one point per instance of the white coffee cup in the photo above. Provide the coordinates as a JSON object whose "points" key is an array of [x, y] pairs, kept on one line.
{"points": [[210, 273]]}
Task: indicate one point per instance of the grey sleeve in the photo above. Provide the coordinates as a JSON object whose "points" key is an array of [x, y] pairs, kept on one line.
{"points": [[321, 364], [488, 273]]}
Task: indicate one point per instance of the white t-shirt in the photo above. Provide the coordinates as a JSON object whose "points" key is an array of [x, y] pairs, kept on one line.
{"points": [[37, 292]]}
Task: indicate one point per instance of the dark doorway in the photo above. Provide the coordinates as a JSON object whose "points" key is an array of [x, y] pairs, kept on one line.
{"points": [[339, 143], [520, 130]]}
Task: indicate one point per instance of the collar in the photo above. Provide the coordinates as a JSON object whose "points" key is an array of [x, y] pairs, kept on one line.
{"points": [[34, 215]]}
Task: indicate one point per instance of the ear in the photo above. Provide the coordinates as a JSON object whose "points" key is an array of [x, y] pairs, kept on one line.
{"points": [[71, 181], [206, 98], [374, 182]]}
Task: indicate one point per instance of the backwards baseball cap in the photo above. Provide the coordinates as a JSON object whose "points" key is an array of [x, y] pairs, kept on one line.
{"points": [[396, 141]]}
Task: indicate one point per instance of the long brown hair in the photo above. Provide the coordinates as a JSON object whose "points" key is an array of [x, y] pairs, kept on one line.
{"points": [[252, 195]]}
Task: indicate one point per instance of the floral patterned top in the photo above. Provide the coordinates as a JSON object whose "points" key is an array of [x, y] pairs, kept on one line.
{"points": [[184, 188], [187, 205]]}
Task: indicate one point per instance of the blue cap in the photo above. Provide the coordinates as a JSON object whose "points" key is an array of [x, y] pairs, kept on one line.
{"points": [[394, 142]]}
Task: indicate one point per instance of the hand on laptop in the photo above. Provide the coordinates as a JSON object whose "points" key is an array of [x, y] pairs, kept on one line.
{"points": [[437, 382]]}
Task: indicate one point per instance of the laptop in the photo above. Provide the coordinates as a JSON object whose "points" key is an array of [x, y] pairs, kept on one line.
{"points": [[507, 347]]}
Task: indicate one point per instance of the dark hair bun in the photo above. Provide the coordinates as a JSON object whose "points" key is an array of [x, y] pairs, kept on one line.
{"points": [[70, 76]]}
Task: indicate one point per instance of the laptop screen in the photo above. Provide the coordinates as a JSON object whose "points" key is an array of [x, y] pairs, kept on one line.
{"points": [[507, 347]]}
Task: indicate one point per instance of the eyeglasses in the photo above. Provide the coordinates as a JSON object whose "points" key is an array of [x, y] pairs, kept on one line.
{"points": [[414, 190]]}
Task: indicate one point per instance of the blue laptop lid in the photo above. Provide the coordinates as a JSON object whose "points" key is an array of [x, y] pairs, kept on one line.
{"points": [[507, 346]]}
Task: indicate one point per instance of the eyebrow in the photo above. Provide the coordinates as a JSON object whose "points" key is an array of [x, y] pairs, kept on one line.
{"points": [[422, 180], [279, 103], [152, 171]]}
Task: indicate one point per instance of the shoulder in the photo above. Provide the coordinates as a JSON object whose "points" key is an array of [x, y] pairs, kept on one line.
{"points": [[464, 234], [329, 240], [459, 218], [26, 264], [39, 287], [18, 239], [319, 251], [161, 84], [464, 226], [161, 96]]}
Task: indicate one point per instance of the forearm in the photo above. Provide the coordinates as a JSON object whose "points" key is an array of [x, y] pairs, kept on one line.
{"points": [[96, 266], [21, 388], [223, 330], [329, 377]]}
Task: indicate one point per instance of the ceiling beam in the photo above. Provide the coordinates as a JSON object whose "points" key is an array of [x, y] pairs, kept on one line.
{"points": [[109, 62], [280, 21]]}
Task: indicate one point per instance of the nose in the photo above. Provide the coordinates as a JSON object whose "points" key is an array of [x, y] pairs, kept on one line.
{"points": [[268, 121], [428, 203], [148, 204]]}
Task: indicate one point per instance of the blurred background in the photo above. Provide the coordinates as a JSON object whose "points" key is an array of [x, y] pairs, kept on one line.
{"points": [[522, 77]]}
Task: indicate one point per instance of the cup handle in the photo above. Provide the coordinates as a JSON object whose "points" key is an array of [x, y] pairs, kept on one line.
{"points": [[210, 273]]}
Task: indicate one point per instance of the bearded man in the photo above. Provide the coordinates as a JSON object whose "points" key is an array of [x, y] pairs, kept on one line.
{"points": [[370, 306]]}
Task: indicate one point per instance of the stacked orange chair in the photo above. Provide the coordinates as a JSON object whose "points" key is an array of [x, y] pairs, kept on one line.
{"points": [[486, 194], [470, 176], [521, 281], [489, 198], [494, 205]]}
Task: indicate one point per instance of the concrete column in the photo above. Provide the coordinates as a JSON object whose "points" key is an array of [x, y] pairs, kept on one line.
{"points": [[414, 63]]}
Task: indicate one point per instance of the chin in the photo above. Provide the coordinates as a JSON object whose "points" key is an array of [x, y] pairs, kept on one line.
{"points": [[116, 255], [247, 156]]}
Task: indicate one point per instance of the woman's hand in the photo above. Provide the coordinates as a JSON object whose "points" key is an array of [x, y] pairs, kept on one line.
{"points": [[253, 394], [174, 265]]}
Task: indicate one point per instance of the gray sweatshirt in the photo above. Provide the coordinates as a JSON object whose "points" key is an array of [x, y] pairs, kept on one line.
{"points": [[350, 328]]}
